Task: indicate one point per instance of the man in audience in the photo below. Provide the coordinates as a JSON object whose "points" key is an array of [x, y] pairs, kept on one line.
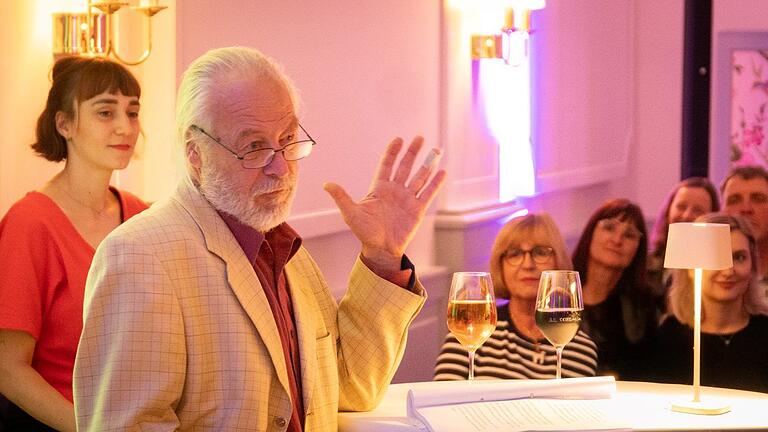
{"points": [[207, 313], [745, 193]]}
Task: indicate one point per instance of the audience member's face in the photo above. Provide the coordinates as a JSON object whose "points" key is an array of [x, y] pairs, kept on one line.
{"points": [[688, 204], [105, 130], [749, 199], [614, 243], [248, 115], [523, 263], [726, 286]]}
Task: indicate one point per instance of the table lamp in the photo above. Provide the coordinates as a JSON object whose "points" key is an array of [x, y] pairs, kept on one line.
{"points": [[698, 246]]}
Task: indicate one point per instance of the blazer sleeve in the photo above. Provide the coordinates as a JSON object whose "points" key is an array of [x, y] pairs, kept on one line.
{"points": [[373, 320], [130, 366]]}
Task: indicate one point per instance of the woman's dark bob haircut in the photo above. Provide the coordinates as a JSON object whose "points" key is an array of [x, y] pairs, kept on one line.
{"points": [[74, 80]]}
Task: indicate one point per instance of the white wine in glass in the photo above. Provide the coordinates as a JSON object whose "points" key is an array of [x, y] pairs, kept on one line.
{"points": [[471, 311], [559, 305]]}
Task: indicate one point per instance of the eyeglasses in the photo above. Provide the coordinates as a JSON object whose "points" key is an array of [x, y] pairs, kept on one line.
{"points": [[260, 158], [612, 226], [539, 254]]}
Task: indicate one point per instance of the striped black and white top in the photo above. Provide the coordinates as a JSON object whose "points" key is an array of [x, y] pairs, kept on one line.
{"points": [[507, 355]]}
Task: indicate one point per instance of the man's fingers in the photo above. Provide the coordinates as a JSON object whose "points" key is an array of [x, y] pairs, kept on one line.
{"points": [[430, 191], [340, 196], [406, 163], [422, 174], [388, 159]]}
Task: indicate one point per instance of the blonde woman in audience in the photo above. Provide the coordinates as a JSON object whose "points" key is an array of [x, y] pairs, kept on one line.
{"points": [[48, 238], [691, 198], [734, 325], [619, 312], [517, 349]]}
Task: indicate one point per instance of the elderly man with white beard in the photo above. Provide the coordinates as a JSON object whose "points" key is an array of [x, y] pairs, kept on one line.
{"points": [[206, 313]]}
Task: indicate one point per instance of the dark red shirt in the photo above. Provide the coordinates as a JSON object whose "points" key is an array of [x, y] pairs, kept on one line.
{"points": [[269, 253]]}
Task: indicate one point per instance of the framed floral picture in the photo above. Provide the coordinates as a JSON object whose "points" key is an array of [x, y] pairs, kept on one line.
{"points": [[749, 97], [741, 100]]}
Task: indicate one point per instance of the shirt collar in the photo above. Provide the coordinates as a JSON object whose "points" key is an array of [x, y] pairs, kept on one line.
{"points": [[250, 240]]}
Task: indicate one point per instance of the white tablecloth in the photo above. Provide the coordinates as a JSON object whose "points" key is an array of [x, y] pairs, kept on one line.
{"points": [[645, 406]]}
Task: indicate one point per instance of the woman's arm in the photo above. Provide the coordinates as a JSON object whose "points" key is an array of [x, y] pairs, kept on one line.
{"points": [[24, 386]]}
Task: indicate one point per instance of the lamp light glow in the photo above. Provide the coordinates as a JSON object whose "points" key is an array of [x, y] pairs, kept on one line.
{"points": [[505, 88], [507, 105]]}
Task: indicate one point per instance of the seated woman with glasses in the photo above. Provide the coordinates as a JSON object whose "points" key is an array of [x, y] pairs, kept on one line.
{"points": [[734, 325], [517, 349], [619, 313]]}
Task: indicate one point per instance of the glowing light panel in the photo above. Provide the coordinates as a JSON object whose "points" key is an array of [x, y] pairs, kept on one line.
{"points": [[506, 93]]}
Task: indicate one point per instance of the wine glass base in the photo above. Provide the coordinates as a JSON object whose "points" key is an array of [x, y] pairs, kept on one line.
{"points": [[701, 407]]}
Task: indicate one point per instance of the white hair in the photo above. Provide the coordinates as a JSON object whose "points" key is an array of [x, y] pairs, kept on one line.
{"points": [[193, 103]]}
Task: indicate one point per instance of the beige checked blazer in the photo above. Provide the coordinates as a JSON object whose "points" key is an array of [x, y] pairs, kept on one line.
{"points": [[178, 334]]}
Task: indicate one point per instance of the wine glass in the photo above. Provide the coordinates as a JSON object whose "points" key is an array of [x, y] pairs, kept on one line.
{"points": [[559, 305], [471, 311]]}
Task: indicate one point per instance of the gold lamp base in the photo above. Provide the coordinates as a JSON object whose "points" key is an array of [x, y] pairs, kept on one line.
{"points": [[701, 407]]}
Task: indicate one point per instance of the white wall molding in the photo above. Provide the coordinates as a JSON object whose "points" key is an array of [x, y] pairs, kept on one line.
{"points": [[581, 176], [479, 214], [318, 223], [463, 240], [461, 195]]}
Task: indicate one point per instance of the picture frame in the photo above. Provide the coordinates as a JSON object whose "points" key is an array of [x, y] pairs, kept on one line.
{"points": [[740, 102]]}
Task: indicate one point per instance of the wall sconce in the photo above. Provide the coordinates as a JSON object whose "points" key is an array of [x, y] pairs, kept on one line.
{"points": [[92, 33], [505, 92], [512, 43]]}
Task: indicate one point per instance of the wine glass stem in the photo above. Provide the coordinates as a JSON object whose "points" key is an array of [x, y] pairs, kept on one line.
{"points": [[471, 365], [559, 351]]}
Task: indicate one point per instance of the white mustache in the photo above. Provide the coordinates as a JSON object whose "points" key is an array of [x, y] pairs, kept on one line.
{"points": [[271, 185]]}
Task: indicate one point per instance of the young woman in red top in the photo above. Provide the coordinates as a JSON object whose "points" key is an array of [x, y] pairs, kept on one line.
{"points": [[48, 237]]}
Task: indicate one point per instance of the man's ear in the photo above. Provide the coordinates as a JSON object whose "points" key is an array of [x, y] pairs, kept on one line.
{"points": [[63, 125], [193, 155]]}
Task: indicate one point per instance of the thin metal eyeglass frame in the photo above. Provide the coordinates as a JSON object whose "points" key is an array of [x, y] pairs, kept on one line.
{"points": [[274, 151]]}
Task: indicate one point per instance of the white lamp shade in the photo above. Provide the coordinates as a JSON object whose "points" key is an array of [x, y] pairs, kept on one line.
{"points": [[699, 245]]}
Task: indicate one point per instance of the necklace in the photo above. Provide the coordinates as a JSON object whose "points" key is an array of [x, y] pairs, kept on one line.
{"points": [[726, 338], [97, 212]]}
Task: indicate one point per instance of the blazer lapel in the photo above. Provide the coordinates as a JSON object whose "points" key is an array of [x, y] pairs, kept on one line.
{"points": [[240, 274], [306, 319]]}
